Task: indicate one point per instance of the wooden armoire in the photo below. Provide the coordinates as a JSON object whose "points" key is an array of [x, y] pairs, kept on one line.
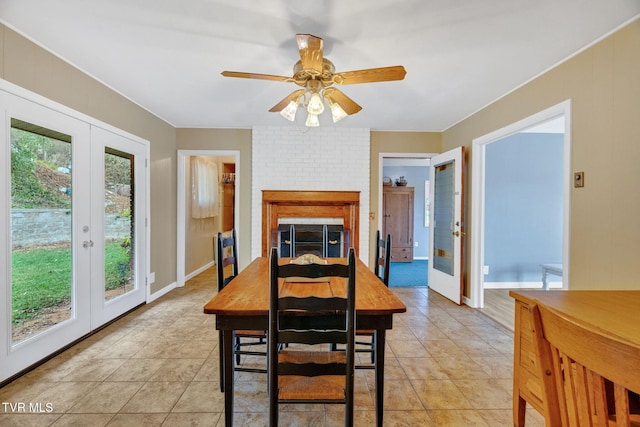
{"points": [[397, 220]]}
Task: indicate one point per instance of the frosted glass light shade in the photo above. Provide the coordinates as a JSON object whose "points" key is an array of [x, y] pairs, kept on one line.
{"points": [[337, 113], [312, 121], [315, 105], [289, 112]]}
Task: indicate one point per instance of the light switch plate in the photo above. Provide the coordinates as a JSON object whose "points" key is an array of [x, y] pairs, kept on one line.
{"points": [[578, 179]]}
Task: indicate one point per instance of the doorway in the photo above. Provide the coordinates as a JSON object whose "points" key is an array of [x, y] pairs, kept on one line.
{"points": [[228, 187], [481, 223], [414, 168]]}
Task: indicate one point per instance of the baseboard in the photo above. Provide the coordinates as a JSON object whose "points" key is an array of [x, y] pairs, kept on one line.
{"points": [[199, 270], [520, 285], [154, 296]]}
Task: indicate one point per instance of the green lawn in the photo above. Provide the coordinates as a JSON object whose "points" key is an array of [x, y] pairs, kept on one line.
{"points": [[41, 278]]}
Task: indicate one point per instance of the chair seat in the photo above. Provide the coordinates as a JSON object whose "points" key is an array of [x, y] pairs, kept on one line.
{"points": [[325, 388]]}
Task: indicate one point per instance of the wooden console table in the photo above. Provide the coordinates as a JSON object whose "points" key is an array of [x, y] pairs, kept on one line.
{"points": [[617, 312]]}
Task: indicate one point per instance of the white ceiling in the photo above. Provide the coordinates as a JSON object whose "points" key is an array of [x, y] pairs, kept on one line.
{"points": [[167, 55]]}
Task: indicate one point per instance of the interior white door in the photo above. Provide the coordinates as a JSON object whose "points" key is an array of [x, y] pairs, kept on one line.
{"points": [[446, 176]]}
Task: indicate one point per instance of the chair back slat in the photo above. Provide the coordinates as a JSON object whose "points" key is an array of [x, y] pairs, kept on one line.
{"points": [[314, 304], [577, 364]]}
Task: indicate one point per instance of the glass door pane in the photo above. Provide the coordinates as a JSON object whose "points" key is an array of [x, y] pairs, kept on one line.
{"points": [[443, 220], [41, 229], [119, 218]]}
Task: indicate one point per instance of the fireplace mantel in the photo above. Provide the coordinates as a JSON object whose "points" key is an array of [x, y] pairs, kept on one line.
{"points": [[277, 204]]}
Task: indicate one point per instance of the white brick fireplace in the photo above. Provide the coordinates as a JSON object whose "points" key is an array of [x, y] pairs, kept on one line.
{"points": [[323, 158]]}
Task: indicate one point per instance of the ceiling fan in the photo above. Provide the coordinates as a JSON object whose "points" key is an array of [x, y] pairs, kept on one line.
{"points": [[316, 74]]}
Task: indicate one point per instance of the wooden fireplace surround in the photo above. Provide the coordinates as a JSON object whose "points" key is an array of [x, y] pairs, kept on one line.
{"points": [[278, 204]]}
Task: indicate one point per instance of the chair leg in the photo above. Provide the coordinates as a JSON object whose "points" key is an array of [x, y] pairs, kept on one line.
{"points": [[236, 348]]}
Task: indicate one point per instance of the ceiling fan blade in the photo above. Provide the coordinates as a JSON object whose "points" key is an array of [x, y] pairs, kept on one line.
{"points": [[310, 51], [254, 76], [291, 97], [371, 75], [347, 104]]}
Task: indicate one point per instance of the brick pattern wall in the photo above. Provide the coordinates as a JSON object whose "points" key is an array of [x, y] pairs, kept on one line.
{"points": [[323, 158]]}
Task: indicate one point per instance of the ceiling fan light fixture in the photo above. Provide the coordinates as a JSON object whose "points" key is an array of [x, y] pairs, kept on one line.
{"points": [[289, 112], [337, 113], [315, 105], [312, 121]]}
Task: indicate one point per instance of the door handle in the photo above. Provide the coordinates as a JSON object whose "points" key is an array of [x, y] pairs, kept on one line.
{"points": [[87, 244]]}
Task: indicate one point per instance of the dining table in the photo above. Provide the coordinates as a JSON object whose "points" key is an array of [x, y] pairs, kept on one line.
{"points": [[244, 305]]}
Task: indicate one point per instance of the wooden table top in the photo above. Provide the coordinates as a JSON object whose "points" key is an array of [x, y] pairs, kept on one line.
{"points": [[616, 313], [248, 293]]}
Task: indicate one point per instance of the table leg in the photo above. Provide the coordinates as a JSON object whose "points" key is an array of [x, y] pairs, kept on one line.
{"points": [[228, 377], [379, 367], [221, 359]]}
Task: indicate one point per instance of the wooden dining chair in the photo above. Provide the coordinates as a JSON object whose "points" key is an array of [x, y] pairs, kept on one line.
{"points": [[306, 316], [227, 266], [587, 375], [365, 338]]}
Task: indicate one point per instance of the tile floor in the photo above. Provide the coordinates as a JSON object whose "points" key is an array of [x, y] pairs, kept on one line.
{"points": [[445, 366]]}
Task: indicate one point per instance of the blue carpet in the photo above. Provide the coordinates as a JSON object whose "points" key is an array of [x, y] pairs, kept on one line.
{"points": [[408, 274]]}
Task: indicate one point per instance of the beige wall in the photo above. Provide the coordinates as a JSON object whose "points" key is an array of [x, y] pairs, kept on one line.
{"points": [[33, 68], [228, 139], [603, 84], [394, 142]]}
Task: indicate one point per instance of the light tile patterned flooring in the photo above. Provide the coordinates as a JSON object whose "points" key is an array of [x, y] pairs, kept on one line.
{"points": [[445, 366]]}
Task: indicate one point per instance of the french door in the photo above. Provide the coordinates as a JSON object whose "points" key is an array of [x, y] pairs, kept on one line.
{"points": [[73, 246], [446, 183]]}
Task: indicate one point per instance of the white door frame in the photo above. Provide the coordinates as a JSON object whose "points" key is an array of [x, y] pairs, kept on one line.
{"points": [[476, 296], [183, 155]]}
